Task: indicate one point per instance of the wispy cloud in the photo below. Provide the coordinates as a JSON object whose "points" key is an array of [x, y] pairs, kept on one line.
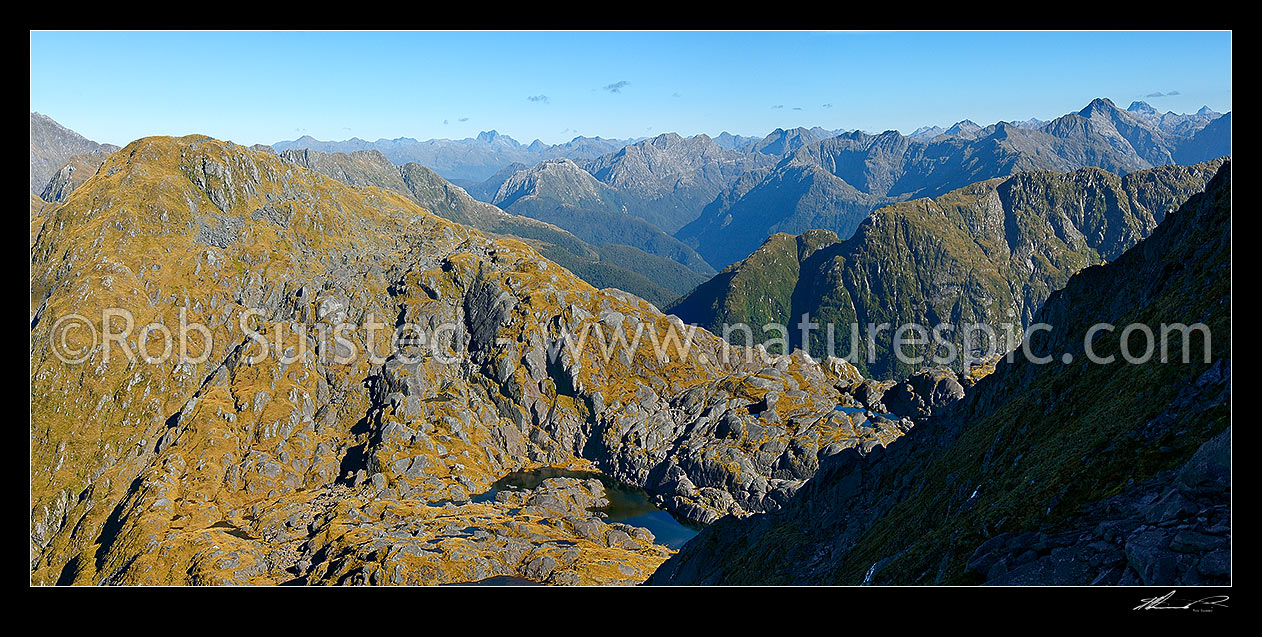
{"points": [[777, 106], [1160, 94], [616, 87], [797, 108], [828, 105], [676, 95], [538, 98], [463, 119]]}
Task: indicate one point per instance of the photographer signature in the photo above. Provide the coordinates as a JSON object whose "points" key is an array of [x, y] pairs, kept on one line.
{"points": [[1201, 605]]}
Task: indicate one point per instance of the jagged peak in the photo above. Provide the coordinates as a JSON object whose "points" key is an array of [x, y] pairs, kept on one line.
{"points": [[1099, 104], [963, 126], [493, 136], [662, 139]]}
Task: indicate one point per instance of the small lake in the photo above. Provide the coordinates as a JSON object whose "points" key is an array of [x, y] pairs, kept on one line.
{"points": [[627, 504], [864, 412]]}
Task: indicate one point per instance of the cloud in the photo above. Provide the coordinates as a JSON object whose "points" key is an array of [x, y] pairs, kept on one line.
{"points": [[797, 108], [777, 106], [444, 122], [538, 98], [828, 105], [676, 95], [1160, 94], [616, 87], [463, 119]]}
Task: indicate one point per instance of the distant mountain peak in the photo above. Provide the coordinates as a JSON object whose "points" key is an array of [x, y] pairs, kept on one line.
{"points": [[1140, 106], [963, 125], [1099, 104], [1206, 110], [493, 136], [782, 142], [666, 138]]}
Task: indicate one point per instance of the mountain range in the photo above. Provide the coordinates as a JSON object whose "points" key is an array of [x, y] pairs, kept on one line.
{"points": [[986, 254], [1057, 474], [303, 460], [835, 183], [464, 161], [658, 279], [722, 197], [255, 464]]}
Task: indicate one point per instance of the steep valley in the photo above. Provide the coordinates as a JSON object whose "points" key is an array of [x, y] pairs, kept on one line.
{"points": [[1064, 473]]}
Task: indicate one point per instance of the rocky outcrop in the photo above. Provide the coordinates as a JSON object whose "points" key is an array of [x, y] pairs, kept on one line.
{"points": [[552, 535]]}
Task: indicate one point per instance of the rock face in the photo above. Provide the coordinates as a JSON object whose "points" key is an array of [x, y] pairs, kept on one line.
{"points": [[1059, 473], [988, 254], [343, 460], [52, 146], [834, 184]]}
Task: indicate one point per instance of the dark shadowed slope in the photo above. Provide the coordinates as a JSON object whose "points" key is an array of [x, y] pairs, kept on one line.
{"points": [[1044, 474]]}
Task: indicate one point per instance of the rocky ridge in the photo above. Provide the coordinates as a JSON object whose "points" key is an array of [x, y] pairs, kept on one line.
{"points": [[234, 467]]}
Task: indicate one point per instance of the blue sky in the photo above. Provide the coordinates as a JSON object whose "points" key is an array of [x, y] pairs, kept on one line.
{"points": [[263, 87]]}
